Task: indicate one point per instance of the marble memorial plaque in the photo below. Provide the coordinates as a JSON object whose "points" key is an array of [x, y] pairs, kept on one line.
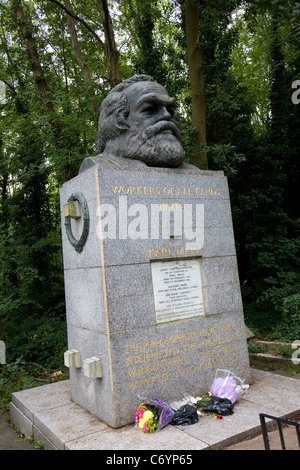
{"points": [[177, 289]]}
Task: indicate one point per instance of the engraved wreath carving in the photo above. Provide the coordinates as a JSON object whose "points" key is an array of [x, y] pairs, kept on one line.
{"points": [[79, 244]]}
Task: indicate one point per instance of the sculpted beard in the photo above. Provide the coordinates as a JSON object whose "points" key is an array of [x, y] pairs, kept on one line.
{"points": [[158, 145]]}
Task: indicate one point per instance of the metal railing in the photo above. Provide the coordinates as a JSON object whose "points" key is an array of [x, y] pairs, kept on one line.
{"points": [[280, 422]]}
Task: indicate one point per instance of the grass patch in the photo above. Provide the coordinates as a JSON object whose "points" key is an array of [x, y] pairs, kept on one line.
{"points": [[21, 375], [278, 356]]}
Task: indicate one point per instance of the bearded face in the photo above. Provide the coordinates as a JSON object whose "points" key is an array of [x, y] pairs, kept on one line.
{"points": [[158, 145], [152, 132]]}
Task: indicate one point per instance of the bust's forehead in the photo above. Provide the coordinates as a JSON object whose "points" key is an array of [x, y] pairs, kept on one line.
{"points": [[146, 87], [140, 91]]}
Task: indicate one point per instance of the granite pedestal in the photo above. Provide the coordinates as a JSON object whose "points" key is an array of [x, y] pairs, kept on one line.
{"points": [[152, 288]]}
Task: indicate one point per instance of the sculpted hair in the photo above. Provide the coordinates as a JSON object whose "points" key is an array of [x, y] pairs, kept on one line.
{"points": [[114, 111]]}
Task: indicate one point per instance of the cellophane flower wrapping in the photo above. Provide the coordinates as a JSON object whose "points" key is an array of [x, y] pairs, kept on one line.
{"points": [[153, 415], [225, 385]]}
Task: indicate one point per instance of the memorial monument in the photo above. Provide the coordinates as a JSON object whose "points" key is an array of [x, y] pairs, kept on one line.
{"points": [[152, 290]]}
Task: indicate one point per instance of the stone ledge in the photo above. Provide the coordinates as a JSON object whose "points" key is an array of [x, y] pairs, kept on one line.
{"points": [[263, 359], [60, 424]]}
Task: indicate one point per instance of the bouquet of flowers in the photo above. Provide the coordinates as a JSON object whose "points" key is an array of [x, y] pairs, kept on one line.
{"points": [[153, 415]]}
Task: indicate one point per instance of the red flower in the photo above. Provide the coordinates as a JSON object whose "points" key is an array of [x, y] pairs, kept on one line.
{"points": [[219, 417]]}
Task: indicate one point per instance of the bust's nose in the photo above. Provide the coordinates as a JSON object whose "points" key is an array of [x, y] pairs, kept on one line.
{"points": [[164, 114]]}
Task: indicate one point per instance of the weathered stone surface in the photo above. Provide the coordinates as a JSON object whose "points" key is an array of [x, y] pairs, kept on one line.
{"points": [[110, 297]]}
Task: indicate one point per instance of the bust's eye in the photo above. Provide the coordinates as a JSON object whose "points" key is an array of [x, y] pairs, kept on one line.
{"points": [[149, 108]]}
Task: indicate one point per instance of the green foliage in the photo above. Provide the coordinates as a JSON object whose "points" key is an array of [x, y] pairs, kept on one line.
{"points": [[288, 328], [251, 57], [223, 157], [41, 340], [14, 377], [286, 351], [277, 271], [256, 348], [273, 348], [21, 374], [265, 197]]}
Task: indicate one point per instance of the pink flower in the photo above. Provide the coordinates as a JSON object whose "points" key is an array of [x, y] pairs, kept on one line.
{"points": [[146, 427], [140, 412]]}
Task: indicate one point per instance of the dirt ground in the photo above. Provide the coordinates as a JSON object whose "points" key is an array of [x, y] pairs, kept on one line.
{"points": [[11, 440], [257, 443]]}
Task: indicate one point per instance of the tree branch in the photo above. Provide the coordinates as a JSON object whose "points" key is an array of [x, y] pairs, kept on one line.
{"points": [[81, 59], [8, 85], [4, 7], [111, 50], [76, 17]]}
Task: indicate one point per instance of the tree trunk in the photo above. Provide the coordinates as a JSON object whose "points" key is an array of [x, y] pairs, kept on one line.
{"points": [[111, 50], [39, 77], [196, 71], [109, 46], [33, 55], [81, 60]]}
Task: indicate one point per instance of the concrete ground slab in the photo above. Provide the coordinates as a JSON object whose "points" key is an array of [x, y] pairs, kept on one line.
{"points": [[61, 424], [33, 401], [131, 438], [66, 423]]}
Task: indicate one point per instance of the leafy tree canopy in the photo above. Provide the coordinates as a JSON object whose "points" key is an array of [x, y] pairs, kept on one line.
{"points": [[60, 58]]}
